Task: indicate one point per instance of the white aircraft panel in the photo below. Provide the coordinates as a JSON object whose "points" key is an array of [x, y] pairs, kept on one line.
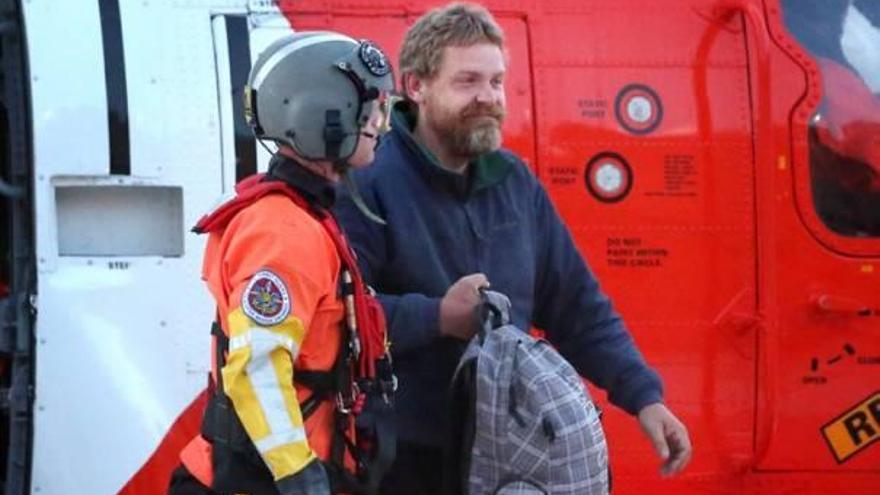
{"points": [[115, 367], [69, 106], [224, 87], [122, 341], [68, 102]]}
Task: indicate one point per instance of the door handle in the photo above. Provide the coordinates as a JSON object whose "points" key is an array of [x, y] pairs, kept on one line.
{"points": [[841, 305]]}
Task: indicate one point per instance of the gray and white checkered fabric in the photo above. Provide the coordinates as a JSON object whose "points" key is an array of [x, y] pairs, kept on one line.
{"points": [[537, 431]]}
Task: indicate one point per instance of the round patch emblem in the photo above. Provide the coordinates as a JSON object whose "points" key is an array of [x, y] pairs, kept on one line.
{"points": [[265, 299], [374, 58], [608, 177], [638, 109]]}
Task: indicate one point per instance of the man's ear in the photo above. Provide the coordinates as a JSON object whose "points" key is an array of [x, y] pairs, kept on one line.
{"points": [[414, 87]]}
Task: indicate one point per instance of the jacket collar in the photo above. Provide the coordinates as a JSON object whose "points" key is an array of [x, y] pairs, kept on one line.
{"points": [[316, 190], [484, 171]]}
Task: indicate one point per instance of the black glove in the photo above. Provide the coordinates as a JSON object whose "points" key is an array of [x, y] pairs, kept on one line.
{"points": [[311, 480]]}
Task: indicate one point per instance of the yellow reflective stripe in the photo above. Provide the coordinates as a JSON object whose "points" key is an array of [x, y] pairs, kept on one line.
{"points": [[258, 379], [288, 459], [276, 440], [292, 326], [262, 334], [268, 386], [239, 389]]}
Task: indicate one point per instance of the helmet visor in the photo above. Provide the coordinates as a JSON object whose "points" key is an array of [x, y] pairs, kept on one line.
{"points": [[386, 102]]}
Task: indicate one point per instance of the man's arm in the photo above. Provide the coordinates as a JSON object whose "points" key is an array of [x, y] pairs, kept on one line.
{"points": [[582, 322], [580, 319]]}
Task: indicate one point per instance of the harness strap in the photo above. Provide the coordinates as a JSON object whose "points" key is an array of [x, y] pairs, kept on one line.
{"points": [[315, 380], [221, 343]]}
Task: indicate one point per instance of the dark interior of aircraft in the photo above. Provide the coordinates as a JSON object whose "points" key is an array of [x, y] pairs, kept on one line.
{"points": [[16, 256], [844, 152], [5, 259]]}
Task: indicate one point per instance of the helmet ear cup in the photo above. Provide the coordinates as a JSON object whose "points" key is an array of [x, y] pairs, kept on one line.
{"points": [[334, 135]]}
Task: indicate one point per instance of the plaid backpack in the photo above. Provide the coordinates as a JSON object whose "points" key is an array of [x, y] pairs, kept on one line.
{"points": [[523, 422]]}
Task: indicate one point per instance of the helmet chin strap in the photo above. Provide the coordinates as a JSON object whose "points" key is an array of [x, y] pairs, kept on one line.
{"points": [[343, 168], [333, 137]]}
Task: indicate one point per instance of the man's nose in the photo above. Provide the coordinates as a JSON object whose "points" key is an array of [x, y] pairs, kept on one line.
{"points": [[489, 94], [376, 121]]}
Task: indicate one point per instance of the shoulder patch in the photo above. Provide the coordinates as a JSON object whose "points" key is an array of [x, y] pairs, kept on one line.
{"points": [[265, 299]]}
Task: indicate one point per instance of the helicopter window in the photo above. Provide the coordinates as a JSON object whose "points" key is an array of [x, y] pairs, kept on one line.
{"points": [[844, 133]]}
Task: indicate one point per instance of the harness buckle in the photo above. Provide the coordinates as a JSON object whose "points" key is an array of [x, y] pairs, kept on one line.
{"points": [[389, 387], [354, 344], [344, 404]]}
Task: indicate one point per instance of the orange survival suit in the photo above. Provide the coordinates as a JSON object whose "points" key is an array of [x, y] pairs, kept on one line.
{"points": [[299, 343]]}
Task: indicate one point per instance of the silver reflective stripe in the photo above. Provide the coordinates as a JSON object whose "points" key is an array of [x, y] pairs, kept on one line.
{"points": [[263, 336], [295, 435], [276, 57], [264, 379]]}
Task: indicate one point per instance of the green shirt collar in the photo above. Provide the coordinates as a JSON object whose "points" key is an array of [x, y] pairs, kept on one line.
{"points": [[484, 171]]}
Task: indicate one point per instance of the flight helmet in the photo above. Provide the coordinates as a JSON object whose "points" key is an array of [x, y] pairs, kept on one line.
{"points": [[315, 90]]}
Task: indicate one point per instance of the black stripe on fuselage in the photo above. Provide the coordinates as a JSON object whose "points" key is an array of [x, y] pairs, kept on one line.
{"points": [[239, 46], [117, 92]]}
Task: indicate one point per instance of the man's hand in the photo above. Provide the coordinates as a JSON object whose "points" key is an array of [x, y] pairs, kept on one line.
{"points": [[458, 307], [669, 436]]}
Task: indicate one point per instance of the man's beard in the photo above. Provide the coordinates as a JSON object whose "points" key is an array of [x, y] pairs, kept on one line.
{"points": [[472, 131]]}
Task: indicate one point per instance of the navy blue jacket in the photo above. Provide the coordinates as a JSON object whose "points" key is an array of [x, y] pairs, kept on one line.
{"points": [[496, 219]]}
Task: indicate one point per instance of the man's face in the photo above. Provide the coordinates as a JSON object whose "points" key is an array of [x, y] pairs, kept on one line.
{"points": [[464, 103], [365, 151]]}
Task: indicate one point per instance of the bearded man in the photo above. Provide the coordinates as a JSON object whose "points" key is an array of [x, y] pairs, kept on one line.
{"points": [[460, 212]]}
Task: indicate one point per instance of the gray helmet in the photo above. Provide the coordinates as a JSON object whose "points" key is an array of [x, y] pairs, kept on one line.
{"points": [[314, 91]]}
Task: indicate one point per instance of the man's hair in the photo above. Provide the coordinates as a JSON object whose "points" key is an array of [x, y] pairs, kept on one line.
{"points": [[456, 24]]}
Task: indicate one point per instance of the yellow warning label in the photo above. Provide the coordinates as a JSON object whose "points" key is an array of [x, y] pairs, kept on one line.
{"points": [[854, 430]]}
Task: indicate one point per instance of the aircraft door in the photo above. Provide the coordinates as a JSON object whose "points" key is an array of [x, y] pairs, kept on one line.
{"points": [[821, 406], [646, 148]]}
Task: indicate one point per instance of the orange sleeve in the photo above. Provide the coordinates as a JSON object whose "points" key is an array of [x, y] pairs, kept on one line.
{"points": [[278, 264]]}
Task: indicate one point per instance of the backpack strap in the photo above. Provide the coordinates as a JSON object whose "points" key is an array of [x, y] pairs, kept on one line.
{"points": [[494, 312]]}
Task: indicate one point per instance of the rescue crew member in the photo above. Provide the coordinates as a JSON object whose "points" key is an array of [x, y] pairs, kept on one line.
{"points": [[460, 213], [299, 342]]}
